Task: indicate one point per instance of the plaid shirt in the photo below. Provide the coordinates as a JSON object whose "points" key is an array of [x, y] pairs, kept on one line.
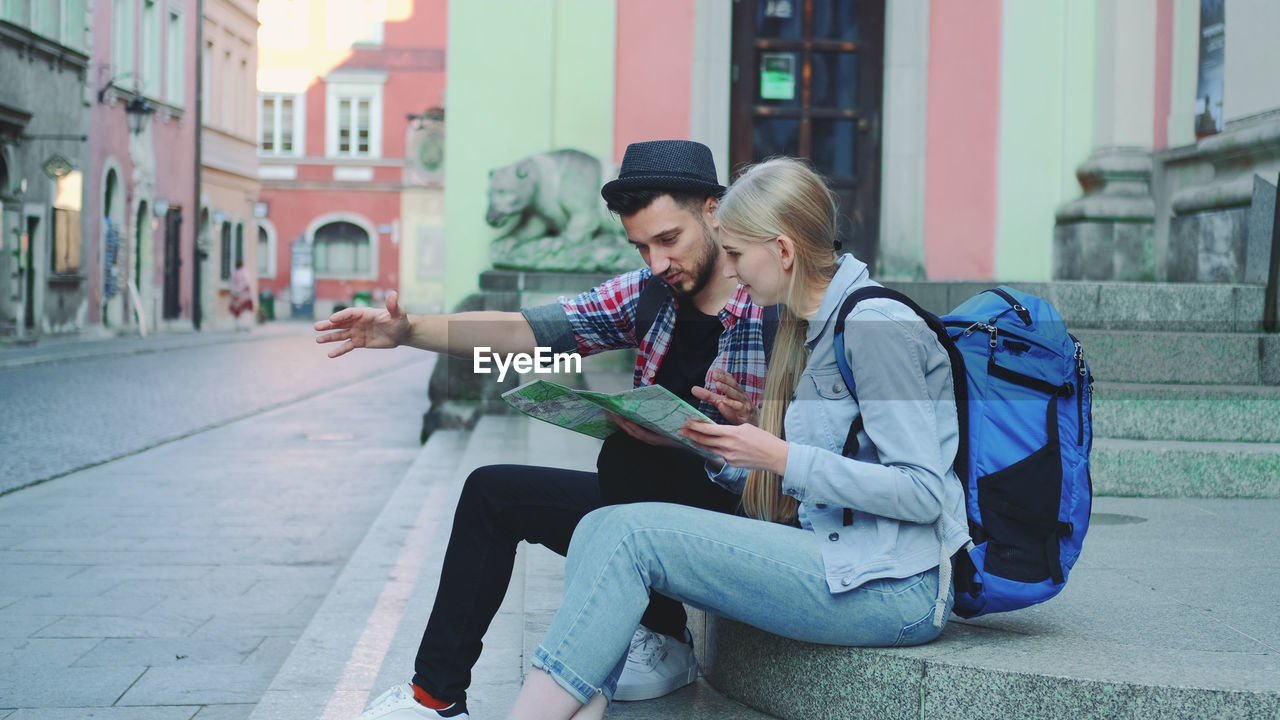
{"points": [[604, 317]]}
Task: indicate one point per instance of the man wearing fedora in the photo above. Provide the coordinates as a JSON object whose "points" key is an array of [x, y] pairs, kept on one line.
{"points": [[697, 334]]}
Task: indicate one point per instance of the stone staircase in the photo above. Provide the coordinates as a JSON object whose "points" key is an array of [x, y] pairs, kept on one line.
{"points": [[1187, 387]]}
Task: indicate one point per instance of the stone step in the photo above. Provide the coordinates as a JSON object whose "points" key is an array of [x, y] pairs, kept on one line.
{"points": [[1231, 413], [1182, 358], [1167, 307], [1156, 622], [1182, 469]]}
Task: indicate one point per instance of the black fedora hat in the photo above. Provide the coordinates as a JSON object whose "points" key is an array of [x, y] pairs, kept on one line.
{"points": [[675, 165]]}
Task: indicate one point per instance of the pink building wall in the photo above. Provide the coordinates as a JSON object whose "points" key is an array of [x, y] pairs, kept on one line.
{"points": [[962, 139], [653, 71], [1164, 73], [172, 149]]}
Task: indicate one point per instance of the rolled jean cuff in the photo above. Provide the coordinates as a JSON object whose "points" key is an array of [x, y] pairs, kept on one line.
{"points": [[566, 678]]}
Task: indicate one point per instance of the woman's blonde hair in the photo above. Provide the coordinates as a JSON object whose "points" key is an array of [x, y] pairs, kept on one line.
{"points": [[783, 196]]}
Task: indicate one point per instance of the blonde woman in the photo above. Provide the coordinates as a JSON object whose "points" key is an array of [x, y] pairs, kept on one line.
{"points": [[852, 550]]}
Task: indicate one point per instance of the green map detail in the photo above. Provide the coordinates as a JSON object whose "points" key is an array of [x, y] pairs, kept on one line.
{"points": [[653, 407]]}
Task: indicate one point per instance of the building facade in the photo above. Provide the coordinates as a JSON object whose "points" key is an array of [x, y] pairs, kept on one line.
{"points": [[45, 268], [348, 139], [967, 140], [229, 187], [140, 188]]}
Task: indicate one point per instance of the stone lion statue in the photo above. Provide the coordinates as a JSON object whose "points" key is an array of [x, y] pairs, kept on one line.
{"points": [[551, 216]]}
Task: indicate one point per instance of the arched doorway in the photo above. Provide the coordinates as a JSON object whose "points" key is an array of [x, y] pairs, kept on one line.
{"points": [[112, 230], [342, 249], [200, 288], [141, 279]]}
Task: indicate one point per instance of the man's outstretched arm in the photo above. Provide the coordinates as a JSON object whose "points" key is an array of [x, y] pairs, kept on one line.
{"points": [[456, 334]]}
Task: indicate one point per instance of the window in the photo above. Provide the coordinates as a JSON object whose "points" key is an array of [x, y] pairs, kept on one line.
{"points": [[66, 223], [45, 20], [266, 253], [175, 60], [342, 248], [150, 48], [241, 123], [280, 124], [239, 244], [353, 126], [73, 24], [224, 252], [225, 94], [17, 12], [353, 120], [122, 39]]}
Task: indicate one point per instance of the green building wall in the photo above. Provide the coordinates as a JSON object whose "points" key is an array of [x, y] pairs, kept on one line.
{"points": [[524, 77], [1046, 127]]}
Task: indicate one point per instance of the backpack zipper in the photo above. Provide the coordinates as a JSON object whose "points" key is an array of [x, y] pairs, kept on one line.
{"points": [[1083, 383], [1023, 313]]}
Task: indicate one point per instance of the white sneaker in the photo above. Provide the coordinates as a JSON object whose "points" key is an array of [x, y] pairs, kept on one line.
{"points": [[398, 704], [657, 664]]}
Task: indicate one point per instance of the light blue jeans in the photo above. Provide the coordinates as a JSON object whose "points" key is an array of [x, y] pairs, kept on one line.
{"points": [[764, 574]]}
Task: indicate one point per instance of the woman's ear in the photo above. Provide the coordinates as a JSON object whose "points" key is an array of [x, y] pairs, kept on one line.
{"points": [[786, 251]]}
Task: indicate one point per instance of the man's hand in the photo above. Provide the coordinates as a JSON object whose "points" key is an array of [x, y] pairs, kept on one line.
{"points": [[365, 327], [745, 446], [642, 434], [729, 398]]}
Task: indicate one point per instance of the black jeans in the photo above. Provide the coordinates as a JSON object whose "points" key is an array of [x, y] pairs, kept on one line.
{"points": [[501, 505]]}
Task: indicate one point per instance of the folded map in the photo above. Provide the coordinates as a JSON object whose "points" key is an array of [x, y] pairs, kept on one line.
{"points": [[653, 407]]}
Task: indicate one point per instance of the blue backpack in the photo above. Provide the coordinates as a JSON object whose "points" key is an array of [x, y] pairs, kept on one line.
{"points": [[1024, 398]]}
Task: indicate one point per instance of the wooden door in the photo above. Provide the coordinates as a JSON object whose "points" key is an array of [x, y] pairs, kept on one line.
{"points": [[807, 79]]}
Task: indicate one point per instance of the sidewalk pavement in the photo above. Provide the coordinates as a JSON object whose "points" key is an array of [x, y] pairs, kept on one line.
{"points": [[55, 349]]}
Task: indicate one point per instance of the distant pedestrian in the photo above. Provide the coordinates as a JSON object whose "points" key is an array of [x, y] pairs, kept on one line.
{"points": [[241, 296]]}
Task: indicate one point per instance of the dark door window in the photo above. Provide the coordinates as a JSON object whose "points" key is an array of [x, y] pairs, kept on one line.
{"points": [[807, 78], [172, 262]]}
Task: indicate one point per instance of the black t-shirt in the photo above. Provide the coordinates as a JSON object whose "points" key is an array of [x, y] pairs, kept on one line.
{"points": [[634, 471], [695, 341]]}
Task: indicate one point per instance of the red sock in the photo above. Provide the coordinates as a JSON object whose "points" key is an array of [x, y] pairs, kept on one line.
{"points": [[424, 698]]}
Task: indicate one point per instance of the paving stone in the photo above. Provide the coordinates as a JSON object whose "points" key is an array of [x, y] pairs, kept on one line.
{"points": [[121, 627], [17, 652], [197, 685], [21, 626], [226, 650], [225, 712], [68, 687], [55, 603], [180, 712]]}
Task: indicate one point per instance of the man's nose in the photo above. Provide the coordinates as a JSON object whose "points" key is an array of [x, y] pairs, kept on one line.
{"points": [[658, 261]]}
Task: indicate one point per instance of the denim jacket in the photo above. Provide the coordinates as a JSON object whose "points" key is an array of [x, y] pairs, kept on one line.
{"points": [[896, 508]]}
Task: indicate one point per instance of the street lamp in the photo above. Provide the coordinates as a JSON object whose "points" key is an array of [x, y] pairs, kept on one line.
{"points": [[138, 109]]}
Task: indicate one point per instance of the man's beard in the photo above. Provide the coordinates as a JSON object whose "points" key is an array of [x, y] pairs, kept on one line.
{"points": [[703, 267]]}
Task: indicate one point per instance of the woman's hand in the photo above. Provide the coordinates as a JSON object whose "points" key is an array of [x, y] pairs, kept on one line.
{"points": [[745, 446], [729, 398]]}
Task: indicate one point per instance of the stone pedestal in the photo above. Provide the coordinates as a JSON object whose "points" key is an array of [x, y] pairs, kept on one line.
{"points": [[458, 395], [1219, 200], [1108, 233]]}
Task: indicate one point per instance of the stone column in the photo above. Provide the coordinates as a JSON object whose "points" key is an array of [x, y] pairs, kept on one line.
{"points": [[1108, 233]]}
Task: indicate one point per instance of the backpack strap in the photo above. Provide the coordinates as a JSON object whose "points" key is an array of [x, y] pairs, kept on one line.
{"points": [[953, 353], [769, 328], [652, 296]]}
